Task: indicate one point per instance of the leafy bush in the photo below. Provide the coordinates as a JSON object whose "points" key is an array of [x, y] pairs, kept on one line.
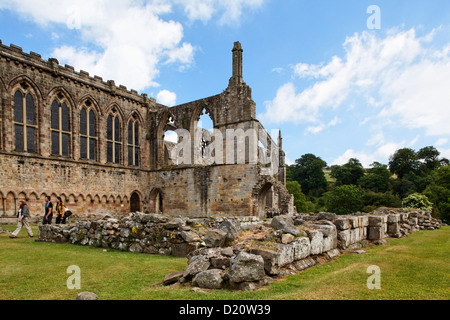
{"points": [[417, 201], [295, 189]]}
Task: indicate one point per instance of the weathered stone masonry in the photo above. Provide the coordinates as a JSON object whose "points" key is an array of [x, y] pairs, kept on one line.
{"points": [[245, 254], [101, 147]]}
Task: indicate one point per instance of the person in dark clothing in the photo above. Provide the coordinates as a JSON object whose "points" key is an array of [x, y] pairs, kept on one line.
{"points": [[48, 216]]}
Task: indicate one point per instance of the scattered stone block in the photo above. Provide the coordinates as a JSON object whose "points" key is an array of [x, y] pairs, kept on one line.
{"points": [[87, 296], [172, 278], [210, 279], [246, 267], [215, 238], [342, 224]]}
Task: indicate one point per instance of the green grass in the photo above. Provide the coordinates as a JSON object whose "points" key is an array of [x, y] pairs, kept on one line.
{"points": [[415, 268]]}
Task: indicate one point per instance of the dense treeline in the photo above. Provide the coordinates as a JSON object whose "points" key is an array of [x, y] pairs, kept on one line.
{"points": [[416, 178]]}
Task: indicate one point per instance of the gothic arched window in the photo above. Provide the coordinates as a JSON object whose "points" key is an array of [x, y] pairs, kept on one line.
{"points": [[25, 124], [113, 138], [88, 133], [60, 127], [133, 143]]}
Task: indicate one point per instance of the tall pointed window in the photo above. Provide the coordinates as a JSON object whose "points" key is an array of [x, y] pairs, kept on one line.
{"points": [[113, 138], [60, 127], [133, 143], [25, 124], [88, 133]]}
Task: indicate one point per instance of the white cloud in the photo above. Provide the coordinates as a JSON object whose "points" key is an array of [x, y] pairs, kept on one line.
{"points": [[401, 77], [381, 154], [365, 158], [321, 127], [225, 12], [167, 98], [125, 40], [441, 142], [445, 153]]}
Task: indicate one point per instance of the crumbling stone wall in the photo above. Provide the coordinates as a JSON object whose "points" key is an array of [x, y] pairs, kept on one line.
{"points": [[100, 185], [242, 253]]}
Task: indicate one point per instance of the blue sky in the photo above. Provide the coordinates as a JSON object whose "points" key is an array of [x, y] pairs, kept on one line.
{"points": [[334, 87]]}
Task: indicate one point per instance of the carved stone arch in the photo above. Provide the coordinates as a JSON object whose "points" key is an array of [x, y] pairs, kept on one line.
{"points": [[62, 97], [26, 86], [94, 104], [63, 197], [166, 123], [134, 138], [115, 111], [2, 204], [135, 201], [202, 109], [34, 195], [261, 199], [18, 81], [136, 115], [65, 94], [115, 108], [200, 137], [34, 203], [53, 197], [2, 103], [10, 205], [22, 196], [156, 201], [163, 123], [88, 142], [89, 199], [72, 199], [2, 86]]}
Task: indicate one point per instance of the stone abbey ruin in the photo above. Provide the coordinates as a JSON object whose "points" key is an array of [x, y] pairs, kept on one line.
{"points": [[218, 197], [102, 148]]}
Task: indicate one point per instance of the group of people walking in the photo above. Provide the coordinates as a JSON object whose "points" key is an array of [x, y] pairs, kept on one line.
{"points": [[23, 215]]}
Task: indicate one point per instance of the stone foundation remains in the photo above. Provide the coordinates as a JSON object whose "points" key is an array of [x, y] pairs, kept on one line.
{"points": [[242, 253]]}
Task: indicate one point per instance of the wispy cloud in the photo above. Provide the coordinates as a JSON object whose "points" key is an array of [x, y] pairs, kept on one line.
{"points": [[126, 40], [402, 76]]}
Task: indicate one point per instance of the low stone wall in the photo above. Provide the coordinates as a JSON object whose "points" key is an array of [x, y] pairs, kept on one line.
{"points": [[142, 233], [241, 253], [294, 244]]}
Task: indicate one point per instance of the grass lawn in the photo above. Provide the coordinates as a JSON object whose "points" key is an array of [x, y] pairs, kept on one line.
{"points": [[413, 268]]}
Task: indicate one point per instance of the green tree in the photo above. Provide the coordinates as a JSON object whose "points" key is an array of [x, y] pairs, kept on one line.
{"points": [[403, 162], [380, 199], [430, 157], [308, 172], [344, 199], [438, 191], [377, 178], [349, 173], [300, 202]]}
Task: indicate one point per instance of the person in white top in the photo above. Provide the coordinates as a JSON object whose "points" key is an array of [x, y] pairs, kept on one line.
{"points": [[23, 215]]}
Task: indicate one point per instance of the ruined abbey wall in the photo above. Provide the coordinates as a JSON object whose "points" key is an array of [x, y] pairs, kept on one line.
{"points": [[102, 147]]}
